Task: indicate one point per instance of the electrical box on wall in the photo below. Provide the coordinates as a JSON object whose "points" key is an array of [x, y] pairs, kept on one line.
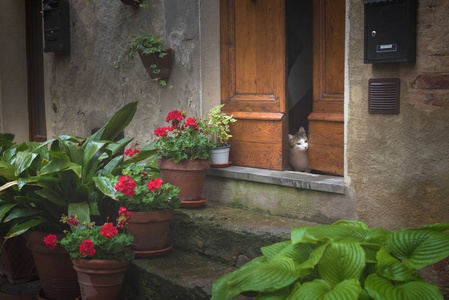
{"points": [[56, 25], [390, 31]]}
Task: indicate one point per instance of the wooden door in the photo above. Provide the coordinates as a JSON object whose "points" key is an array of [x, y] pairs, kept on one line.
{"points": [[253, 80], [326, 123]]}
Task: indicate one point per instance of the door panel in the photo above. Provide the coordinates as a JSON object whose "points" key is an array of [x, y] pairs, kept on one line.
{"points": [[326, 125], [253, 80]]}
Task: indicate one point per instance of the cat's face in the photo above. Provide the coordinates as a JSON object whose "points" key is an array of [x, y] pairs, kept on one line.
{"points": [[299, 142]]}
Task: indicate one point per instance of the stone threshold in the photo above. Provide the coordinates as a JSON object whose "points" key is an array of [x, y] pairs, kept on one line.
{"points": [[299, 180]]}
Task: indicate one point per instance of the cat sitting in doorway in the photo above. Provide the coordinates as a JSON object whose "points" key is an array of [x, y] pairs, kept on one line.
{"points": [[298, 151]]}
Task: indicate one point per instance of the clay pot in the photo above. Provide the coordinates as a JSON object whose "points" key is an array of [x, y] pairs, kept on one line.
{"points": [[188, 175], [162, 63], [16, 262], [100, 279], [150, 230], [54, 267]]}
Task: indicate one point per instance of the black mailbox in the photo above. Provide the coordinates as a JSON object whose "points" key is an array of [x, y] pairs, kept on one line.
{"points": [[390, 31], [56, 25]]}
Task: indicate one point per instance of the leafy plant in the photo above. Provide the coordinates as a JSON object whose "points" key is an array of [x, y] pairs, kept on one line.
{"points": [[45, 180], [138, 189], [220, 126], [186, 138], [345, 260], [89, 241], [146, 44]]}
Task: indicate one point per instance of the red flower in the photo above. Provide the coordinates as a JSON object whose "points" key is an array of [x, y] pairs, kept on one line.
{"points": [[154, 184], [130, 152], [126, 186], [123, 217], [50, 241], [162, 131], [87, 248], [191, 122], [108, 230], [175, 115]]}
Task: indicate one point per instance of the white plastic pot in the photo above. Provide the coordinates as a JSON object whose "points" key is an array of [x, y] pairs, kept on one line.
{"points": [[220, 155]]}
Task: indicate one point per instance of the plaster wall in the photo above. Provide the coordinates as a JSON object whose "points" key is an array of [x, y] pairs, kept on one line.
{"points": [[84, 89], [397, 165], [13, 76]]}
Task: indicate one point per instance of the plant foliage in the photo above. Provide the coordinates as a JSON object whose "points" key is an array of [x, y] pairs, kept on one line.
{"points": [[343, 261], [220, 126]]}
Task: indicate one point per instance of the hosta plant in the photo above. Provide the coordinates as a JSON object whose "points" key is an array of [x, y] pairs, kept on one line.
{"points": [[343, 261]]}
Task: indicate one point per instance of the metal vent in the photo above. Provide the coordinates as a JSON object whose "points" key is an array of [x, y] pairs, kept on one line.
{"points": [[384, 96]]}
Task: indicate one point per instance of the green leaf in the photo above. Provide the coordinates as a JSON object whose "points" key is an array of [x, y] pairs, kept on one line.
{"points": [[391, 268], [382, 289], [320, 290], [417, 247], [20, 213], [23, 161], [263, 277], [119, 121], [20, 228], [321, 233], [57, 165], [4, 209], [270, 251], [105, 184], [52, 196], [341, 261], [281, 294], [82, 210], [436, 227]]}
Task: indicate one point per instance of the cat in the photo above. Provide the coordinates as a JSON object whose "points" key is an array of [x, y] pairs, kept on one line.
{"points": [[298, 156]]}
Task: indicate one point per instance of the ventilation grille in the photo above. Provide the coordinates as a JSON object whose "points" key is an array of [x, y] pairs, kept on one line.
{"points": [[384, 96]]}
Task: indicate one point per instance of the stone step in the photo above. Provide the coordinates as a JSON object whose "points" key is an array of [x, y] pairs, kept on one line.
{"points": [[176, 275], [227, 234]]}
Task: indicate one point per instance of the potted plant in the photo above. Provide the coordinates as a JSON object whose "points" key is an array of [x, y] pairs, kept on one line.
{"points": [[45, 180], [220, 135], [184, 154], [151, 203], [100, 255], [153, 54]]}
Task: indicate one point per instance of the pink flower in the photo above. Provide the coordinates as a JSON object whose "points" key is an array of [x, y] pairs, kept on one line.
{"points": [[50, 241], [126, 186], [108, 230], [154, 184], [87, 248]]}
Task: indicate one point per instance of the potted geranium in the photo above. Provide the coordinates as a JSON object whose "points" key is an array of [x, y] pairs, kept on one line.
{"points": [[100, 255], [184, 155], [153, 54], [220, 134], [151, 203]]}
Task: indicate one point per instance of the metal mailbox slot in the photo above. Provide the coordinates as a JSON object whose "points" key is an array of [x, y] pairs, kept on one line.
{"points": [[390, 31], [56, 25]]}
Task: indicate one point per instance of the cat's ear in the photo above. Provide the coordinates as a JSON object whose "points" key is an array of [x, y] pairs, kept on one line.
{"points": [[290, 136], [301, 131]]}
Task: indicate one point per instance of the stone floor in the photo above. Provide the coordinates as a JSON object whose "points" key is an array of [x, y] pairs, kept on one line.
{"points": [[22, 291]]}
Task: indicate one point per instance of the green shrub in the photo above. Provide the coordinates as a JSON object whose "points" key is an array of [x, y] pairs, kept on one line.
{"points": [[345, 260]]}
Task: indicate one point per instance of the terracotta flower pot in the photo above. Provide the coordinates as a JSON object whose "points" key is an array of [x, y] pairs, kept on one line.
{"points": [[100, 279], [162, 63], [54, 267], [16, 262], [150, 230], [188, 175]]}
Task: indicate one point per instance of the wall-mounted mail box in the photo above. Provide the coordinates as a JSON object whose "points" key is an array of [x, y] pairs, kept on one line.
{"points": [[390, 31], [56, 25]]}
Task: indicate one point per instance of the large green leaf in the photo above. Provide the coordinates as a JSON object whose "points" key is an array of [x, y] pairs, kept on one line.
{"points": [[318, 289], [82, 210], [20, 213], [391, 268], [5, 208], [314, 234], [20, 228], [263, 277], [57, 165], [341, 261], [105, 184], [382, 289], [52, 196], [281, 294], [272, 250], [23, 161], [417, 247]]}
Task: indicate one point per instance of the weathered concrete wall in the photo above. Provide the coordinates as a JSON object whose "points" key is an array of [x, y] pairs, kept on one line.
{"points": [[13, 76], [84, 89], [397, 165]]}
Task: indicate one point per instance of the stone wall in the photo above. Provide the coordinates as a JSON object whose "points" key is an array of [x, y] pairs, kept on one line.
{"points": [[397, 165], [84, 89]]}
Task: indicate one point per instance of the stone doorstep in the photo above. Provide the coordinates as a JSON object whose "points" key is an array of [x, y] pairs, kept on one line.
{"points": [[176, 275], [230, 235]]}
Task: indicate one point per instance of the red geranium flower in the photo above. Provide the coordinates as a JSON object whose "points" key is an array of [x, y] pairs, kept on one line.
{"points": [[191, 122], [126, 186], [130, 152], [108, 230], [123, 218], [50, 241], [154, 184], [162, 131], [175, 115], [87, 248]]}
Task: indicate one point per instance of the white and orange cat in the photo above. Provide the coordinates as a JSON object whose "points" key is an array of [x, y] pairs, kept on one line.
{"points": [[298, 156]]}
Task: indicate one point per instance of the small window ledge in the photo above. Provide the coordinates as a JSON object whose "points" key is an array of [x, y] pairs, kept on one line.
{"points": [[323, 183]]}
